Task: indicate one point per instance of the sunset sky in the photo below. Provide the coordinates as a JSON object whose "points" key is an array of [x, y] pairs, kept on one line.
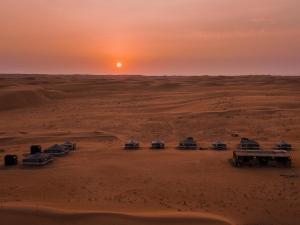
{"points": [[184, 37]]}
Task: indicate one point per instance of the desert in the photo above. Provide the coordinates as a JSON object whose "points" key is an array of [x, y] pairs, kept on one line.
{"points": [[102, 184]]}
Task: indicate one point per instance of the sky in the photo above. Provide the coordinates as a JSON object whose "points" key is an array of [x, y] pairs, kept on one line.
{"points": [[157, 37]]}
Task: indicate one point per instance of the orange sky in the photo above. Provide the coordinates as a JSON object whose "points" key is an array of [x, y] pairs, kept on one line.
{"points": [[184, 37]]}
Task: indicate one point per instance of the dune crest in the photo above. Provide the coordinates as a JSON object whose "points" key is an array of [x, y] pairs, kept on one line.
{"points": [[15, 98], [49, 216]]}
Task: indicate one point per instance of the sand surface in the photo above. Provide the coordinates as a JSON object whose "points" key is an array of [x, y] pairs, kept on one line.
{"points": [[102, 184]]}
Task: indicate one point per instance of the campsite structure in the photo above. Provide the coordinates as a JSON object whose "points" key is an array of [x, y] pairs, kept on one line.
{"points": [[132, 145], [10, 160], [69, 146], [219, 146], [157, 145], [34, 149], [283, 146], [38, 159], [261, 158], [188, 144], [248, 144], [56, 150]]}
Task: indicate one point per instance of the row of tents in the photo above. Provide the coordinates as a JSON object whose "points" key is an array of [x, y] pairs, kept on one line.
{"points": [[39, 157], [248, 151], [191, 144], [188, 144]]}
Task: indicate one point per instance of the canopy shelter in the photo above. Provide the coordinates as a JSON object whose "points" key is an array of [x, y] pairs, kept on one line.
{"points": [[248, 144], [188, 144], [157, 144], [57, 150], [132, 145], [219, 145], [261, 158], [39, 159]]}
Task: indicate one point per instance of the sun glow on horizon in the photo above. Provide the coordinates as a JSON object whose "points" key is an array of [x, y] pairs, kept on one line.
{"points": [[119, 65]]}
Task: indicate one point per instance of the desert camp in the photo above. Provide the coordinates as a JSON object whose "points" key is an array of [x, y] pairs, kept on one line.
{"points": [[161, 112]]}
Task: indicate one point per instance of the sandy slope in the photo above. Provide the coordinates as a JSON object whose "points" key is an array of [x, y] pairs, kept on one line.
{"points": [[100, 113], [47, 216]]}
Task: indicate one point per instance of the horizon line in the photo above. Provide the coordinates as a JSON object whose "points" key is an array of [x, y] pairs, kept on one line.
{"points": [[148, 75]]}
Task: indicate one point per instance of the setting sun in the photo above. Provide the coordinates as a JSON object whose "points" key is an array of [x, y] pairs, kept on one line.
{"points": [[119, 65]]}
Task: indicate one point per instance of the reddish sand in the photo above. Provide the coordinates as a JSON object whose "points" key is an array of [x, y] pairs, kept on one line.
{"points": [[102, 184]]}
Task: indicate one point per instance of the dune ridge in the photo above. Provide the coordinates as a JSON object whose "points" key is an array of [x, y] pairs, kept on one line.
{"points": [[24, 137], [15, 215]]}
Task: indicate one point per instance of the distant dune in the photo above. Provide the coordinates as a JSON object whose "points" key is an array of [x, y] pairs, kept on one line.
{"points": [[145, 187]]}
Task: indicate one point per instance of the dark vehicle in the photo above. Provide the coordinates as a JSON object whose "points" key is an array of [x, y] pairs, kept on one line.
{"points": [[219, 146], [284, 146], [38, 159], [188, 144], [158, 144], [70, 146], [132, 145], [10, 160], [34, 149], [57, 150], [261, 158], [248, 144]]}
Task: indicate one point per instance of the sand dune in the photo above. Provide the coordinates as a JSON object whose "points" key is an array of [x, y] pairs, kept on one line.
{"points": [[24, 96], [28, 138], [18, 98], [100, 113], [47, 216]]}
